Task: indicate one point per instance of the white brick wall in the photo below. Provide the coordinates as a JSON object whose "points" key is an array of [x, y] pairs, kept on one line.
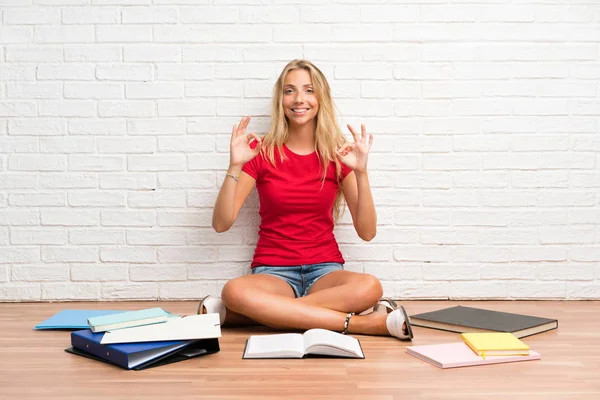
{"points": [[115, 118]]}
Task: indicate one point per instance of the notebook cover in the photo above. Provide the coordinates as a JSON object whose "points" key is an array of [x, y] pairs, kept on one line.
{"points": [[453, 355], [127, 316], [494, 341], [482, 319], [72, 319]]}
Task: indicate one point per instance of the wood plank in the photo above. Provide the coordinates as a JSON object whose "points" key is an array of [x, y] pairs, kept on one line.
{"points": [[34, 364]]}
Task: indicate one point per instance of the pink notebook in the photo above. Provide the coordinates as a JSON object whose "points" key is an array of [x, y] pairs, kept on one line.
{"points": [[452, 355]]}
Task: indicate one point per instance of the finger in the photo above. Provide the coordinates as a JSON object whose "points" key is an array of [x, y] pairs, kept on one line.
{"points": [[253, 136], [344, 148], [234, 133], [354, 134], [257, 148], [363, 132], [246, 122], [370, 140], [347, 148], [240, 127]]}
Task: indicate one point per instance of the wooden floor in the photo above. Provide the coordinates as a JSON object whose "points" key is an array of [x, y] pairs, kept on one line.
{"points": [[34, 365]]}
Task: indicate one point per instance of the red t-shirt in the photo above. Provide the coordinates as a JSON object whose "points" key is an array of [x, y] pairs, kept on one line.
{"points": [[296, 212]]}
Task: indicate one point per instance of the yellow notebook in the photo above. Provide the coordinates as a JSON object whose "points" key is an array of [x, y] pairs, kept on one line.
{"points": [[495, 344]]}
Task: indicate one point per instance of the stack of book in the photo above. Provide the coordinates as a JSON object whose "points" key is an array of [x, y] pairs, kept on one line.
{"points": [[475, 349], [146, 338], [488, 337]]}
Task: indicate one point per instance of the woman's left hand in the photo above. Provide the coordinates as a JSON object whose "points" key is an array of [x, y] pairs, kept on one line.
{"points": [[355, 155]]}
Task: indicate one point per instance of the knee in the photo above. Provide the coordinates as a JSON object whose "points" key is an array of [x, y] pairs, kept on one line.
{"points": [[234, 293], [370, 289]]}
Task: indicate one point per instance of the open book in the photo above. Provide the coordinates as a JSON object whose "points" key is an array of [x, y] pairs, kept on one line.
{"points": [[314, 342]]}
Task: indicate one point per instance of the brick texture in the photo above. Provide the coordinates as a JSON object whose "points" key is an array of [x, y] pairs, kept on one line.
{"points": [[115, 118]]}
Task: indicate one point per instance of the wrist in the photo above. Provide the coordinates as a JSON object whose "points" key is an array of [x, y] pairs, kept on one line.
{"points": [[235, 169], [360, 172]]}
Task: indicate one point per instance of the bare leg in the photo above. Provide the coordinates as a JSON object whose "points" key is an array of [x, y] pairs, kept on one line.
{"points": [[345, 291], [331, 291], [233, 319], [247, 296], [271, 284]]}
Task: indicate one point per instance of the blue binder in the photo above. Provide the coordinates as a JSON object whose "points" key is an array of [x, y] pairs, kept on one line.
{"points": [[139, 356], [72, 319]]}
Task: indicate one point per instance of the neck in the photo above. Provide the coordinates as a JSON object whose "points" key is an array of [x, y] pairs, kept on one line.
{"points": [[302, 138]]}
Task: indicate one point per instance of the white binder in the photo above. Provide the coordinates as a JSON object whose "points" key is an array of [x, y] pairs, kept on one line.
{"points": [[201, 326]]}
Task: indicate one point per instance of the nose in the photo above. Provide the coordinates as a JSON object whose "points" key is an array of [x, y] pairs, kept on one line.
{"points": [[299, 98]]}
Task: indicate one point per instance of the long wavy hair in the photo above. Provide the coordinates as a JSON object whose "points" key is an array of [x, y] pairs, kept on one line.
{"points": [[328, 136]]}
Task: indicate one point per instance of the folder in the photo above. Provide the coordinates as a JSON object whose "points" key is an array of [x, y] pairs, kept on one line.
{"points": [[139, 356], [72, 319], [200, 326], [128, 319]]}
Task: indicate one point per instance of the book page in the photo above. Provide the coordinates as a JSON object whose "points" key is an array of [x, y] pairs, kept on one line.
{"points": [[283, 345], [316, 341]]}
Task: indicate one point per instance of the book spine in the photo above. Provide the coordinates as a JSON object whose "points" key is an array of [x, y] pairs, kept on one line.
{"points": [[479, 353], [103, 351]]}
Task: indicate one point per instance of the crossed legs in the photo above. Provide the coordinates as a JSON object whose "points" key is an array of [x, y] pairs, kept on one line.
{"points": [[270, 301]]}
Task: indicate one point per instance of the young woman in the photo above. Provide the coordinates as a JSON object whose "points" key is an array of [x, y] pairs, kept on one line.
{"points": [[302, 169]]}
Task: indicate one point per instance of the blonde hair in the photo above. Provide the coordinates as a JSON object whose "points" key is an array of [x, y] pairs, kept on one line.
{"points": [[328, 136]]}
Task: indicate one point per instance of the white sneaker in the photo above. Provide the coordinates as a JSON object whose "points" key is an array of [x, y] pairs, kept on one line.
{"points": [[394, 323], [213, 305]]}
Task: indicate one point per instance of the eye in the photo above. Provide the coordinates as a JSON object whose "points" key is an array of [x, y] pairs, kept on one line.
{"points": [[288, 91], [309, 90]]}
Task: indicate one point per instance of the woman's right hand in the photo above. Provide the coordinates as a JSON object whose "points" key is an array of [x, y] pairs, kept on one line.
{"points": [[240, 150]]}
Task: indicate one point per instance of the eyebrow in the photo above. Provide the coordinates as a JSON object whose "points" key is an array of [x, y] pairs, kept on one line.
{"points": [[290, 85]]}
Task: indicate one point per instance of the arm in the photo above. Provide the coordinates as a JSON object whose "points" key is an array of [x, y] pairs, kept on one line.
{"points": [[355, 186], [357, 193], [231, 198], [234, 192]]}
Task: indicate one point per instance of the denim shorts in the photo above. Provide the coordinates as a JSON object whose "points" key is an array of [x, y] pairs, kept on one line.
{"points": [[300, 277]]}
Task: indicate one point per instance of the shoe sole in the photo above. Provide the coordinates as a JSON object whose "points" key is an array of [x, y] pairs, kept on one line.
{"points": [[408, 326]]}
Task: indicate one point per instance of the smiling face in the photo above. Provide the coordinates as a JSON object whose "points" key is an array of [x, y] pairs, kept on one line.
{"points": [[300, 104]]}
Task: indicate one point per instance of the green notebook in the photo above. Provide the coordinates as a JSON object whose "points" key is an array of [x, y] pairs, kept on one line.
{"points": [[128, 319]]}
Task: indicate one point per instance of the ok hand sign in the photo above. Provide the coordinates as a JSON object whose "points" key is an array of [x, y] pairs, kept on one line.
{"points": [[355, 155], [240, 150]]}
